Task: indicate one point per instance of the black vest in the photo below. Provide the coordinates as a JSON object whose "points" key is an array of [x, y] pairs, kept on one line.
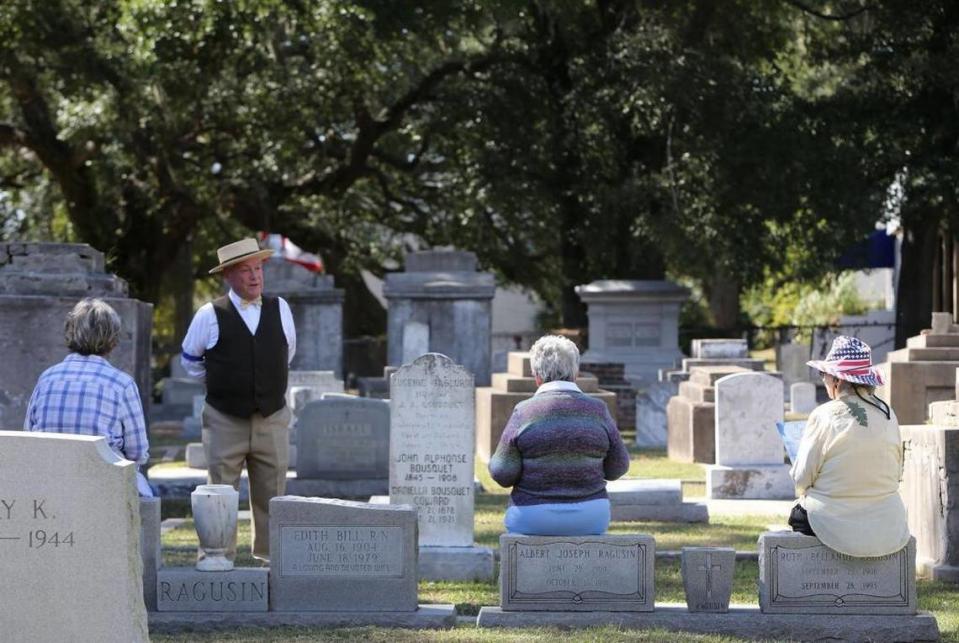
{"points": [[245, 373]]}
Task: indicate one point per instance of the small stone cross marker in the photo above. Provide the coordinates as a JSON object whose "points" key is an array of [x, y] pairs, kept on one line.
{"points": [[708, 567]]}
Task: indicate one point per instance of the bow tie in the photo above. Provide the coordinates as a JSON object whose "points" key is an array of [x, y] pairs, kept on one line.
{"points": [[244, 304]]}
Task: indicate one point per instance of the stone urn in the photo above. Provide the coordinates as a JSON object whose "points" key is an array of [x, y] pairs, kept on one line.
{"points": [[215, 508]]}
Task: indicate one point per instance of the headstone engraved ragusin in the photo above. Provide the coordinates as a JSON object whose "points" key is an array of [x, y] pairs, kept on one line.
{"points": [[432, 436], [577, 573], [708, 578], [70, 559]]}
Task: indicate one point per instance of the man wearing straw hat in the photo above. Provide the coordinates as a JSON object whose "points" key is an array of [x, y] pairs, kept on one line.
{"points": [[242, 344]]}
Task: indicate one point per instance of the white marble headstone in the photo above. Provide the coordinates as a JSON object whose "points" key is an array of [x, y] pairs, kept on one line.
{"points": [[432, 445], [802, 397], [70, 563], [748, 406]]}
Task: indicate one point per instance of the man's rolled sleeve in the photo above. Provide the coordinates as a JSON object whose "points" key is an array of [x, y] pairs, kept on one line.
{"points": [[196, 342]]}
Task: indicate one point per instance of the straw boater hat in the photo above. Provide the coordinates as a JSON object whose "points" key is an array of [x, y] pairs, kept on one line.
{"points": [[849, 359], [239, 251]]}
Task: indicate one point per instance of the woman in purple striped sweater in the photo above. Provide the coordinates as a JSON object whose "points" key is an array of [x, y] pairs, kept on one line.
{"points": [[558, 450]]}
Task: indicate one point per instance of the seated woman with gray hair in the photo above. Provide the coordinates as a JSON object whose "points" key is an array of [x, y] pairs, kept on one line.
{"points": [[558, 450], [86, 395]]}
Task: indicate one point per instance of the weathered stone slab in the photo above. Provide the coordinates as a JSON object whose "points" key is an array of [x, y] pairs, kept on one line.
{"points": [[651, 420], [791, 362], [692, 431], [945, 413], [709, 375], [758, 481], [184, 589], [740, 621], [802, 397], [708, 577], [150, 548], [70, 559], [336, 555], [681, 512], [719, 348], [697, 392], [432, 446], [941, 323], [424, 617], [910, 387], [748, 363], [343, 439], [629, 491], [577, 573], [800, 575], [930, 491]]}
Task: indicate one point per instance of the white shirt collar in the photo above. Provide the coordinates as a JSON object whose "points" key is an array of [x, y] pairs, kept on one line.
{"points": [[557, 385], [235, 298]]}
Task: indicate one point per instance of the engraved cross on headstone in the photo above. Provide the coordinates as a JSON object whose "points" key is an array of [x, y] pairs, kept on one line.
{"points": [[708, 567]]}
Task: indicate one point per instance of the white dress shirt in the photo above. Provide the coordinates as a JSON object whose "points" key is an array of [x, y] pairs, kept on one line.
{"points": [[204, 332]]}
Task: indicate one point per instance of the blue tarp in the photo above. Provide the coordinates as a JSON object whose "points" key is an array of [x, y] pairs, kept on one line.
{"points": [[877, 251]]}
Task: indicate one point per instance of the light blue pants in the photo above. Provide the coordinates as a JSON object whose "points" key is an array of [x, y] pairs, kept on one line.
{"points": [[589, 518]]}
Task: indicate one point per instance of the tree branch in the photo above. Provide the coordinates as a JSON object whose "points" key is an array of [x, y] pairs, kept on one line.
{"points": [[802, 6]]}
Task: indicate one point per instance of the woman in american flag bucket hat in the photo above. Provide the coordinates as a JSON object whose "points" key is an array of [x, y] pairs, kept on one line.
{"points": [[849, 462]]}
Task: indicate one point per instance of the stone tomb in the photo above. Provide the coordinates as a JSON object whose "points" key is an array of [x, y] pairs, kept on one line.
{"points": [[930, 490], [432, 438], [662, 500], [70, 554], [441, 304], [39, 284], [691, 415], [800, 575], [922, 373], [343, 446], [495, 404], [749, 452], [317, 309], [708, 577], [577, 573]]}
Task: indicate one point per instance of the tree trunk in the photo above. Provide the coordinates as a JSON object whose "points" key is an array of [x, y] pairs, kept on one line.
{"points": [[724, 301], [914, 290]]}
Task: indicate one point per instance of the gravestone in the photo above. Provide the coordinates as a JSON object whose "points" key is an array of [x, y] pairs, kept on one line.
{"points": [[432, 435], [800, 575], [749, 451], [150, 549], [691, 415], [336, 555], [634, 322], [577, 573], [708, 577], [432, 453], [441, 304], [802, 398], [719, 348], [317, 309], [185, 589], [70, 554], [930, 490], [343, 446], [791, 362], [39, 284]]}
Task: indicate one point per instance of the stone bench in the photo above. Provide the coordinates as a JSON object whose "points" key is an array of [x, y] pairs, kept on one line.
{"points": [[577, 573], [800, 575]]}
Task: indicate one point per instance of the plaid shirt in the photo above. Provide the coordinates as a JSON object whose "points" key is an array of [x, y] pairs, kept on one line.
{"points": [[84, 394]]}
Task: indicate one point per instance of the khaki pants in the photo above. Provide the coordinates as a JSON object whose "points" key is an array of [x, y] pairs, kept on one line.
{"points": [[263, 445]]}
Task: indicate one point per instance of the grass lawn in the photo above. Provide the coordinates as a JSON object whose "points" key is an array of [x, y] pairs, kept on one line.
{"points": [[740, 532]]}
